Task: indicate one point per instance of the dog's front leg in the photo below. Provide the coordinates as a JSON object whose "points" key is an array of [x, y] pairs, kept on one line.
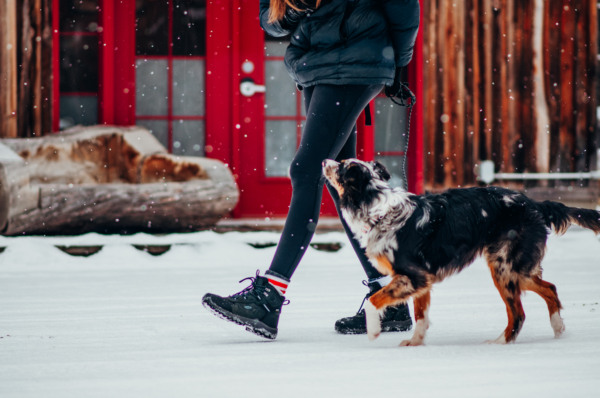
{"points": [[373, 316], [397, 291]]}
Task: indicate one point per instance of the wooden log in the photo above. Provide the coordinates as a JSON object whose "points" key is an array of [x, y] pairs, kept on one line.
{"points": [[8, 69], [74, 183]]}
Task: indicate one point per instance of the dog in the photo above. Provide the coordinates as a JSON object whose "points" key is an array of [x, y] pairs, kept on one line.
{"points": [[421, 240]]}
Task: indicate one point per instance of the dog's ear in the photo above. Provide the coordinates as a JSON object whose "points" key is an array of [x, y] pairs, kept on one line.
{"points": [[381, 171], [354, 177]]}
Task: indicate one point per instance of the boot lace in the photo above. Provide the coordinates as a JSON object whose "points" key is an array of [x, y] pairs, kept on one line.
{"points": [[254, 290], [366, 297]]}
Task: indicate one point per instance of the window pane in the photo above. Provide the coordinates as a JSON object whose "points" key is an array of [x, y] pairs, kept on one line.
{"points": [[394, 165], [281, 90], [188, 87], [78, 15], [280, 147], [151, 87], [276, 46], [76, 109], [390, 126], [189, 27], [188, 137], [79, 64], [158, 128], [152, 27]]}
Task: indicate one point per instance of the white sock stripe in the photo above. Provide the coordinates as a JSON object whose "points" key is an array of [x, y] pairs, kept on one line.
{"points": [[279, 284]]}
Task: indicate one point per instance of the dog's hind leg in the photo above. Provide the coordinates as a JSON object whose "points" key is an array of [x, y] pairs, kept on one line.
{"points": [[507, 283], [548, 292], [422, 303]]}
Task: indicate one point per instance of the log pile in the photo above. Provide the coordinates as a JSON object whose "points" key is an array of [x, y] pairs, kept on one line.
{"points": [[109, 180]]}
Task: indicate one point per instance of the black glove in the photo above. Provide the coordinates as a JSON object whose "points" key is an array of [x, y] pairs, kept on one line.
{"points": [[394, 89]]}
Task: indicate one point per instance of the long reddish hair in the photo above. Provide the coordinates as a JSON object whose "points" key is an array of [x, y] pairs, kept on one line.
{"points": [[278, 7]]}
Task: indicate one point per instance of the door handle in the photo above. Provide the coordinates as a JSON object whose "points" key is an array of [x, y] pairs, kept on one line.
{"points": [[248, 88]]}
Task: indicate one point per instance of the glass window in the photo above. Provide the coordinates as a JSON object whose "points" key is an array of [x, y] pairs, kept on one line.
{"points": [[281, 95], [152, 27], [79, 64], [78, 15], [151, 87], [188, 87], [390, 138], [390, 126], [394, 165], [78, 109], [158, 128], [284, 110], [189, 27], [188, 137], [280, 147]]}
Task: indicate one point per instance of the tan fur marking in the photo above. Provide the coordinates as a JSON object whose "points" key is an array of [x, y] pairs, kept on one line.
{"points": [[383, 265], [546, 290], [421, 304], [512, 299]]}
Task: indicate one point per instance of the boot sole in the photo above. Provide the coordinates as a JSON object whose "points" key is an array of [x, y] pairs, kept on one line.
{"points": [[252, 325], [396, 326]]}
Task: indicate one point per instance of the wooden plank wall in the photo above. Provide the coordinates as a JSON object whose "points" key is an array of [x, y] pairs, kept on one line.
{"points": [[8, 68], [34, 74], [508, 80]]}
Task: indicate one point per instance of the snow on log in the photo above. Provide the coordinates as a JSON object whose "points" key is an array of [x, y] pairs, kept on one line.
{"points": [[109, 180]]}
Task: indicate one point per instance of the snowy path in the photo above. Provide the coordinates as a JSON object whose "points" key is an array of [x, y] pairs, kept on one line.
{"points": [[122, 323]]}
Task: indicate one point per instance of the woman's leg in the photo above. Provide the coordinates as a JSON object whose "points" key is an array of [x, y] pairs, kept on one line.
{"points": [[331, 116]]}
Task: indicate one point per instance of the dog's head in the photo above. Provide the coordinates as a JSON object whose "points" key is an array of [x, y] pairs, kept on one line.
{"points": [[356, 182]]}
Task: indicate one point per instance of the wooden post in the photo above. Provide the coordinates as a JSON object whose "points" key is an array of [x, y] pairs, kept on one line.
{"points": [[567, 91], [8, 69], [540, 112]]}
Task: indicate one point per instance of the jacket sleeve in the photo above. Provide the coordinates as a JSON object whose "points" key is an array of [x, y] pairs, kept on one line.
{"points": [[279, 28], [403, 18]]}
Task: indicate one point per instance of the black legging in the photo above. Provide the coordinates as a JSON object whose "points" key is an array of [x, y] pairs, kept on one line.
{"points": [[331, 113]]}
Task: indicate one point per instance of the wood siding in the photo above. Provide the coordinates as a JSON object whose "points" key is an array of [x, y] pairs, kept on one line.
{"points": [[34, 70], [8, 68], [509, 81]]}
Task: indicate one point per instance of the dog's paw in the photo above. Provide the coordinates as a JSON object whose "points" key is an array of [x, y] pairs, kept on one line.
{"points": [[557, 325], [411, 343], [373, 317]]}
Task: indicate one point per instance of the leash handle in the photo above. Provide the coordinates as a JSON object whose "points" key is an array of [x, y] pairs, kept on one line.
{"points": [[403, 94]]}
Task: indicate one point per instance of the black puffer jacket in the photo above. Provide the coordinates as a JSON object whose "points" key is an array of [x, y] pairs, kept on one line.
{"points": [[347, 41]]}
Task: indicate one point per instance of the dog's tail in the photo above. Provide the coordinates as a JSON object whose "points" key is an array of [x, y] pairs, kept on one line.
{"points": [[560, 217]]}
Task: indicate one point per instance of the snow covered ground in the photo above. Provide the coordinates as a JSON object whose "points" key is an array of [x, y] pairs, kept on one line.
{"points": [[123, 323]]}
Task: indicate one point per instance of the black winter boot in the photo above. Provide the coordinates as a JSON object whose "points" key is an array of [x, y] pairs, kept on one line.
{"points": [[257, 307], [395, 319]]}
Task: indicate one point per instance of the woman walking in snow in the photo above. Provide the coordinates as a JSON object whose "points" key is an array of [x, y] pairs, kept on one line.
{"points": [[342, 54]]}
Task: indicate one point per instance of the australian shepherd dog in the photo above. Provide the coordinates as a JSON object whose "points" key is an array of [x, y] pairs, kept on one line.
{"points": [[421, 240]]}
